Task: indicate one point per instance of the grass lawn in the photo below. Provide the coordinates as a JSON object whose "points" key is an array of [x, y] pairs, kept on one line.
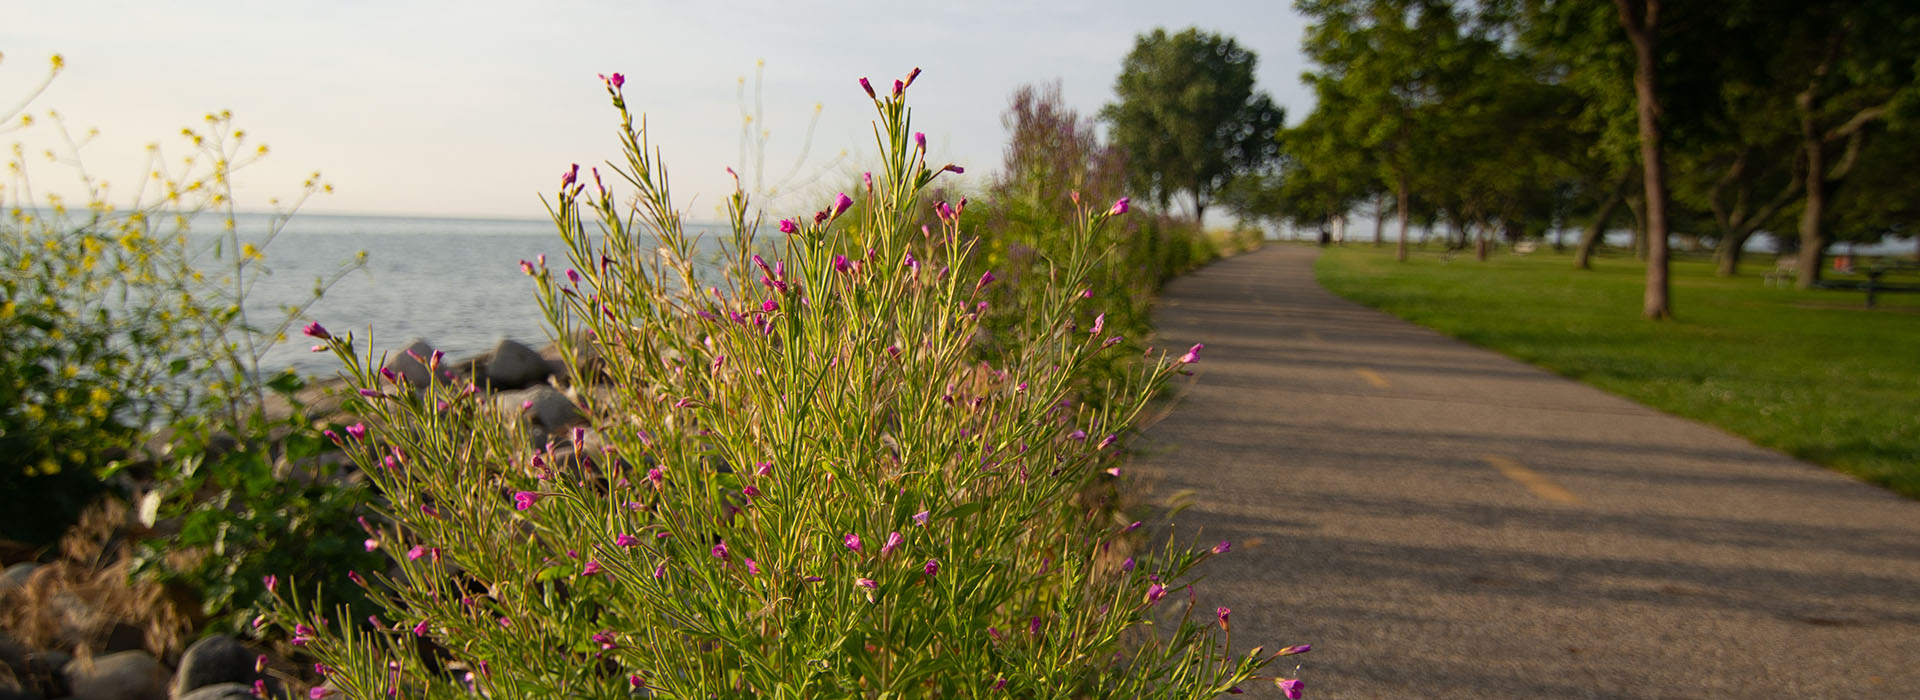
{"points": [[1812, 374]]}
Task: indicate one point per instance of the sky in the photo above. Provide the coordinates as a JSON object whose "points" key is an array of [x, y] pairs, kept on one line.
{"points": [[474, 108]]}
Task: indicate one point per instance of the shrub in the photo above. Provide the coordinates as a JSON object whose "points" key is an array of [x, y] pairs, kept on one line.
{"points": [[795, 478]]}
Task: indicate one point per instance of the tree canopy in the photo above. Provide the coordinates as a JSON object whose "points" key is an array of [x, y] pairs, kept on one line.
{"points": [[1188, 116]]}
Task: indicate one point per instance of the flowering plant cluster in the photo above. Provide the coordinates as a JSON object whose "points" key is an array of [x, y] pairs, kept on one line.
{"points": [[794, 478]]}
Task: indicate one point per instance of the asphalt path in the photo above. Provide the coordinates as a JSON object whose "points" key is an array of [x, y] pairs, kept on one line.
{"points": [[1441, 521]]}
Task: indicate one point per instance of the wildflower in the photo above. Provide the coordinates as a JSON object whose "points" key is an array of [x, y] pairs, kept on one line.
{"points": [[866, 583], [986, 278], [371, 544], [625, 540], [567, 178], [573, 276], [319, 692], [354, 576], [720, 550], [912, 75], [1086, 294], [593, 567], [852, 541], [752, 567], [616, 80], [1099, 324], [1135, 525], [270, 580], [842, 265], [864, 85], [1193, 354], [322, 669], [867, 177], [921, 517], [788, 227], [1077, 435], [420, 630], [955, 169], [1292, 687], [660, 571], [841, 203], [1222, 547], [525, 499], [358, 431], [1127, 565], [1155, 592], [762, 468], [920, 140], [998, 684], [605, 639], [1120, 206], [899, 88], [316, 330], [932, 567], [1222, 613], [894, 541], [1295, 649], [1110, 342], [654, 475]]}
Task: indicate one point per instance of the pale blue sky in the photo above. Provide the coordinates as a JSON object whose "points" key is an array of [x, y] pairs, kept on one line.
{"points": [[474, 108]]}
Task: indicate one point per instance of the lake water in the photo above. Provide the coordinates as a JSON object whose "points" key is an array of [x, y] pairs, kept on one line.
{"points": [[454, 282]]}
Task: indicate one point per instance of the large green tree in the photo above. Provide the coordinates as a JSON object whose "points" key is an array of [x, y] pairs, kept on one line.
{"points": [[1188, 116]]}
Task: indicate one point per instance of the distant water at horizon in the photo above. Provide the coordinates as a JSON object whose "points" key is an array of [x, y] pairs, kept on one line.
{"points": [[454, 282]]}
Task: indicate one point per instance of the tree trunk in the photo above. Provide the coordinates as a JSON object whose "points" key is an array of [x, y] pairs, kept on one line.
{"points": [[1643, 30], [1726, 258], [1379, 219], [1590, 238], [1812, 247], [1401, 195]]}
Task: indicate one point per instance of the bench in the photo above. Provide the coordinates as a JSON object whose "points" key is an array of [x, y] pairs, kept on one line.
{"points": [[1784, 270], [1898, 277]]}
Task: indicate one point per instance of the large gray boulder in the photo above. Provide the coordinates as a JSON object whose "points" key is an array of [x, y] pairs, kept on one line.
{"points": [[515, 366], [128, 675], [215, 660], [220, 691], [413, 371], [542, 405]]}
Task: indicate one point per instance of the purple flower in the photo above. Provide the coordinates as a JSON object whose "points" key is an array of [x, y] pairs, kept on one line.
{"points": [[525, 499], [1193, 354], [932, 568], [1127, 565], [420, 630], [354, 576], [841, 203], [912, 75], [920, 140], [921, 517], [573, 276], [660, 571], [866, 583], [625, 540], [1099, 324], [986, 278], [320, 692], [1222, 547], [358, 431], [1295, 649], [1291, 686], [1222, 613], [1155, 592], [842, 264], [1077, 435], [955, 169], [636, 681], [864, 85], [616, 80], [899, 88], [316, 330], [605, 639], [852, 541], [567, 178], [592, 567], [867, 178], [893, 542], [720, 550], [752, 568], [788, 227], [1120, 206], [371, 544], [270, 581]]}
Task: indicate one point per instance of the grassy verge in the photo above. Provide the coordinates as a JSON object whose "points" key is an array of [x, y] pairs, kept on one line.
{"points": [[1813, 374]]}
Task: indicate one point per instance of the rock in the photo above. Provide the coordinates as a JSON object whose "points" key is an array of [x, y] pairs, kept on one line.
{"points": [[413, 371], [128, 675], [515, 366], [15, 577], [124, 637], [543, 405], [215, 660], [221, 691]]}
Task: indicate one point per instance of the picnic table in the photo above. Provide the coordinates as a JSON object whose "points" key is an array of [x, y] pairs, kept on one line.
{"points": [[1898, 276]]}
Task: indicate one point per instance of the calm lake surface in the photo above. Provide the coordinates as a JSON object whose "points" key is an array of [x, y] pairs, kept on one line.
{"points": [[454, 282]]}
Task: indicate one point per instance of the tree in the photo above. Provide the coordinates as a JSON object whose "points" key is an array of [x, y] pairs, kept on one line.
{"points": [[1188, 116]]}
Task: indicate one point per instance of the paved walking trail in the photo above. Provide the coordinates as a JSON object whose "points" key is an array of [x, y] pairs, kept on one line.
{"points": [[1441, 521]]}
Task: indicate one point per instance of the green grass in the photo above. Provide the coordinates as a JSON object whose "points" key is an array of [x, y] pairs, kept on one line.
{"points": [[1812, 374]]}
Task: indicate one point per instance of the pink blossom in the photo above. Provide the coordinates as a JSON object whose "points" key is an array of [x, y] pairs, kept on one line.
{"points": [[270, 581], [616, 80], [625, 540], [1295, 649], [986, 278], [912, 75], [841, 203], [523, 500], [1292, 687], [921, 517], [894, 540], [752, 567], [1193, 354], [788, 227], [420, 630], [1222, 547], [1222, 613], [567, 178], [719, 550], [864, 85], [852, 541], [606, 639], [1155, 592], [932, 567], [866, 583], [593, 567], [920, 140], [371, 544], [1120, 206], [358, 431], [316, 330]]}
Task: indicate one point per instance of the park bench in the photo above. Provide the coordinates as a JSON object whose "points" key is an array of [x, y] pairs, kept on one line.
{"points": [[1784, 270], [1882, 278]]}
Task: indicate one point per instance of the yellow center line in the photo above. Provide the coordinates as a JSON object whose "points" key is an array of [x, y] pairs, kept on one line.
{"points": [[1372, 377], [1539, 485]]}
